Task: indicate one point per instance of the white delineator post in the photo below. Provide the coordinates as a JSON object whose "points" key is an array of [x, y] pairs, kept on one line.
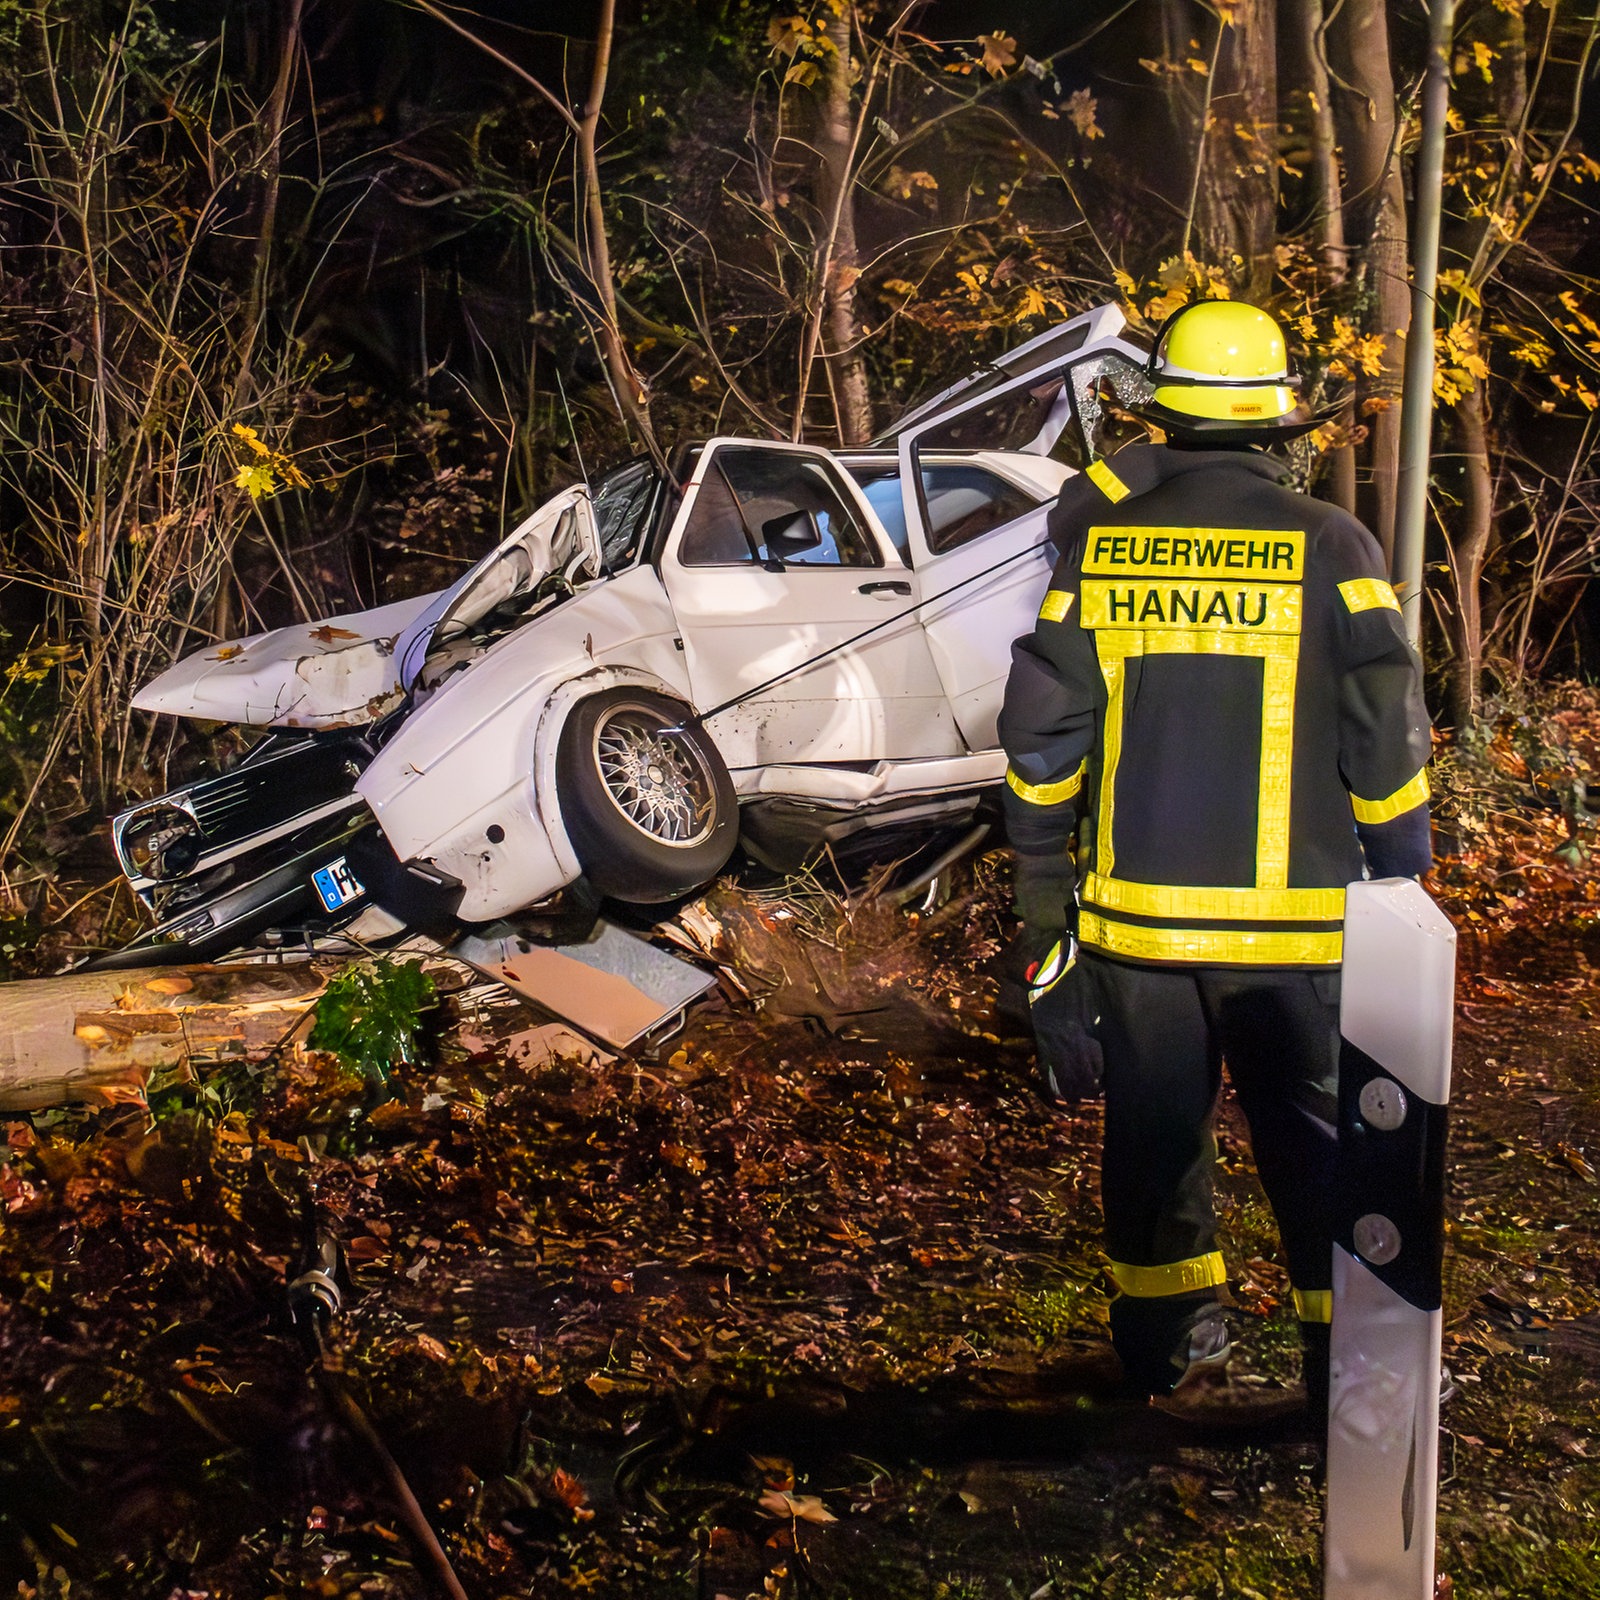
{"points": [[1396, 1013]]}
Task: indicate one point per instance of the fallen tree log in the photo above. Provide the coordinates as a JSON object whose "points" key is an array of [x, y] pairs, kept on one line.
{"points": [[99, 1035]]}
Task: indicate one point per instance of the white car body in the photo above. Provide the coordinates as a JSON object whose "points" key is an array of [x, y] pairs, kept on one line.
{"points": [[890, 667]]}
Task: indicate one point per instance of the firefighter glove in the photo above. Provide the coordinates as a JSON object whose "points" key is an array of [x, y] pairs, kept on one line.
{"points": [[1061, 1007]]}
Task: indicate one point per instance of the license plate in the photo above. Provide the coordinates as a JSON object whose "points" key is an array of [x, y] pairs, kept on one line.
{"points": [[337, 885]]}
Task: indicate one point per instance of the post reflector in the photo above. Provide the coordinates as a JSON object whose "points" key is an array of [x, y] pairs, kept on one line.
{"points": [[1396, 1015]]}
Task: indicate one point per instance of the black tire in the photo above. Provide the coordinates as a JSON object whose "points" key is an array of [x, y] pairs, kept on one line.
{"points": [[652, 815]]}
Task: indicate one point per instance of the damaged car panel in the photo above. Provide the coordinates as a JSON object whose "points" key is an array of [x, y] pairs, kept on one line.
{"points": [[338, 673]]}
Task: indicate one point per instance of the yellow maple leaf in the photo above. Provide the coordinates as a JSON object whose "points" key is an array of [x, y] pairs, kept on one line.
{"points": [[257, 478], [1030, 303]]}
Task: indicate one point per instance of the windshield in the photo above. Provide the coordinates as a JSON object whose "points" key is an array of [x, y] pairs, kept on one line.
{"points": [[624, 502]]}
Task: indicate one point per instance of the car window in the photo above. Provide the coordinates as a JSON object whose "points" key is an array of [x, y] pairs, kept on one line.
{"points": [[623, 501], [883, 495], [761, 505], [963, 503]]}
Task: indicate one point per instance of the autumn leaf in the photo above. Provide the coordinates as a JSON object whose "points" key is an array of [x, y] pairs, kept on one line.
{"points": [[1081, 106], [799, 1507], [999, 53], [787, 34], [1030, 303], [903, 184], [567, 1491], [805, 73], [1458, 283], [1482, 56], [257, 479], [777, 1472], [1532, 352], [1576, 1161], [251, 438], [327, 633]]}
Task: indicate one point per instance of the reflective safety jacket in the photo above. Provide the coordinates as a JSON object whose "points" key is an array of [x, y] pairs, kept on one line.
{"points": [[1218, 681]]}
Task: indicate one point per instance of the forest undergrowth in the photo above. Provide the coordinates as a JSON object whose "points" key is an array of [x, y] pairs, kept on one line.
{"points": [[808, 1304]]}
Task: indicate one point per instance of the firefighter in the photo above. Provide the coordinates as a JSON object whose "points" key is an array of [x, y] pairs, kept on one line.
{"points": [[1215, 725]]}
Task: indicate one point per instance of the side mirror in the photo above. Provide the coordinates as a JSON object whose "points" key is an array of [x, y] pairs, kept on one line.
{"points": [[791, 535]]}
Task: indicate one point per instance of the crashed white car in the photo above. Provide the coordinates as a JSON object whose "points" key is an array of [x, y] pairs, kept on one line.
{"points": [[776, 643]]}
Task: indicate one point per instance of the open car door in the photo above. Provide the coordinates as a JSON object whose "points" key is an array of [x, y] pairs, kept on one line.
{"points": [[982, 582]]}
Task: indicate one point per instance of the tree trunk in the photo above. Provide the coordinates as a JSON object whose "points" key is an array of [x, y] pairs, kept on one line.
{"points": [[1469, 549], [1306, 67], [1236, 211], [632, 395], [1375, 210], [1468, 248], [836, 200], [96, 1036]]}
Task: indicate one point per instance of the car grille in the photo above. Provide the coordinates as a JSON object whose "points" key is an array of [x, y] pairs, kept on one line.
{"points": [[274, 787]]}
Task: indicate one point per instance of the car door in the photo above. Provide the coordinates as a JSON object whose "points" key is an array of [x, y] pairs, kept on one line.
{"points": [[984, 574], [777, 569]]}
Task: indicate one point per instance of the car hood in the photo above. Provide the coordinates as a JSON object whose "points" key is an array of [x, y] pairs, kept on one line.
{"points": [[337, 673], [346, 671]]}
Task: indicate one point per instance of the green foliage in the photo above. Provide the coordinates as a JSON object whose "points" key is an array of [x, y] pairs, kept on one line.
{"points": [[371, 1015]]}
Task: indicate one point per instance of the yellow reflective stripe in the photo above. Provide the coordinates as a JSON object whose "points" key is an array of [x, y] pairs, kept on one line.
{"points": [[1047, 794], [1280, 654], [1277, 769], [1214, 905], [1180, 603], [1404, 799], [1041, 989], [1314, 1305], [1368, 594], [1251, 555], [1176, 1277], [1211, 946], [1057, 603], [1106, 481], [1113, 650]]}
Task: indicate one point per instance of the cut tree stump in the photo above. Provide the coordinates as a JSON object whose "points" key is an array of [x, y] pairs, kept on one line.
{"points": [[97, 1036]]}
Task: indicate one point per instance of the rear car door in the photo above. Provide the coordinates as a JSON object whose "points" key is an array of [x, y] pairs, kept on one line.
{"points": [[775, 563], [984, 561]]}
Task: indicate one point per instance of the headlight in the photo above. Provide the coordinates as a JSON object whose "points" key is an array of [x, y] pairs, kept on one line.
{"points": [[161, 841]]}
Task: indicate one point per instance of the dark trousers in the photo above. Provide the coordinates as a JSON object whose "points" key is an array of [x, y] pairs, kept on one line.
{"points": [[1165, 1033]]}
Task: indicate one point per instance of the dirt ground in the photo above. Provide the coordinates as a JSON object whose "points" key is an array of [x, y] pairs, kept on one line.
{"points": [[811, 1305]]}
